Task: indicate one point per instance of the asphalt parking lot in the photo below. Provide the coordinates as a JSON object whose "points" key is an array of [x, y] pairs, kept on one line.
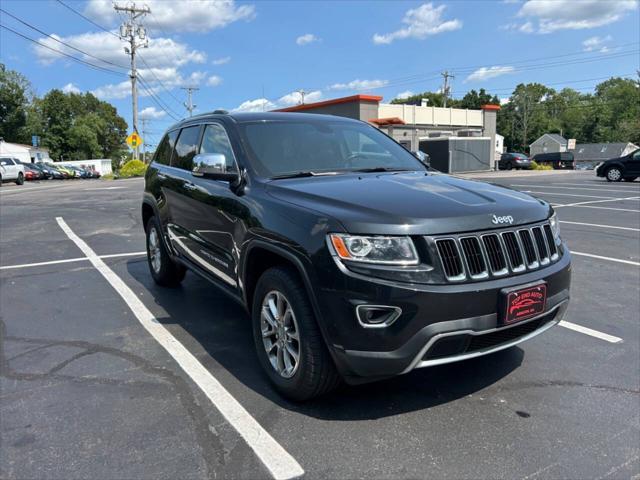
{"points": [[105, 375]]}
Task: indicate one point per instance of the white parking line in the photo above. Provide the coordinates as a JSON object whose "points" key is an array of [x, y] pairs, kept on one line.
{"points": [[602, 208], [277, 460], [589, 331], [600, 226], [620, 199], [565, 194], [633, 190], [600, 183], [70, 260], [609, 259]]}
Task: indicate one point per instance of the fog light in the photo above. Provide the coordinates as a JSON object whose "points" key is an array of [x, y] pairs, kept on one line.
{"points": [[377, 316]]}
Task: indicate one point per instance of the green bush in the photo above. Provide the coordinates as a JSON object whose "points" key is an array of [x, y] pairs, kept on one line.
{"points": [[537, 166], [108, 176], [133, 168]]}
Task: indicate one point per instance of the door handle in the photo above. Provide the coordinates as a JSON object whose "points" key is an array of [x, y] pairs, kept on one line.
{"points": [[161, 176]]}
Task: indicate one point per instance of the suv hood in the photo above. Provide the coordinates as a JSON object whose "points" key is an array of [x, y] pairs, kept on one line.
{"points": [[410, 203]]}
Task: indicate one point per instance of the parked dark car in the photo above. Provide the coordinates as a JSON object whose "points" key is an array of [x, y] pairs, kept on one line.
{"points": [[558, 160], [625, 168], [509, 161], [353, 260], [44, 170]]}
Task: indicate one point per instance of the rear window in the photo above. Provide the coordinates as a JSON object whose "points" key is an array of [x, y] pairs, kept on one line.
{"points": [[186, 148], [165, 149]]}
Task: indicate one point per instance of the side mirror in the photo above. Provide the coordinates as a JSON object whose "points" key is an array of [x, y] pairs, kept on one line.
{"points": [[423, 157], [214, 166]]}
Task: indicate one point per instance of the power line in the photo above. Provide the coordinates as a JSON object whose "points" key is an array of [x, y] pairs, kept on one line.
{"points": [[61, 42], [86, 18], [79, 60]]}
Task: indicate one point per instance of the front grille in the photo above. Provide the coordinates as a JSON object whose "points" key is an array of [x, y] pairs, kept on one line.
{"points": [[478, 256], [451, 261]]}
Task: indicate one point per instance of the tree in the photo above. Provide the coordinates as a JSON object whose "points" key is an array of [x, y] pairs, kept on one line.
{"points": [[15, 93], [474, 100]]}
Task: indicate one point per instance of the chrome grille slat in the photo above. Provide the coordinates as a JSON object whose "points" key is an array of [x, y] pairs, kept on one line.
{"points": [[541, 245], [482, 255]]}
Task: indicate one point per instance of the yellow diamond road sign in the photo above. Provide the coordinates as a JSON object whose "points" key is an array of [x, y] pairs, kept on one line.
{"points": [[134, 140]]}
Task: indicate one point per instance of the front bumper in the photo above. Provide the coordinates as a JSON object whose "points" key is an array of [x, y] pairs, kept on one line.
{"points": [[439, 323]]}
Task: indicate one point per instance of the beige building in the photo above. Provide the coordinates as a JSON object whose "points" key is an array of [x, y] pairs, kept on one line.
{"points": [[408, 124]]}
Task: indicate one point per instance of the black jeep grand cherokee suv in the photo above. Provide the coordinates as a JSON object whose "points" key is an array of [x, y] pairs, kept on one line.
{"points": [[354, 260]]}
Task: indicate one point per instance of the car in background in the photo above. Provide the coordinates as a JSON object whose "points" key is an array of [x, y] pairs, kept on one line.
{"points": [[625, 168], [79, 172], [32, 173], [50, 171], [558, 160], [511, 160], [11, 170], [66, 173]]}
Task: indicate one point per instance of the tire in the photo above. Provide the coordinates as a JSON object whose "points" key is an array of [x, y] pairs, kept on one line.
{"points": [[614, 174], [20, 179], [314, 373], [164, 270], [509, 166], [629, 179]]}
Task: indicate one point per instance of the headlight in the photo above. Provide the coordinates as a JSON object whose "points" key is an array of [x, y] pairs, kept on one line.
{"points": [[555, 226], [375, 249]]}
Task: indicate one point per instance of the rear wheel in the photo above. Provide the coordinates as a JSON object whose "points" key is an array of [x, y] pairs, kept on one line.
{"points": [[163, 269], [20, 179], [288, 341], [614, 174], [509, 166]]}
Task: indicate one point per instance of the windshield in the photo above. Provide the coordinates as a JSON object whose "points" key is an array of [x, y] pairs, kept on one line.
{"points": [[282, 148]]}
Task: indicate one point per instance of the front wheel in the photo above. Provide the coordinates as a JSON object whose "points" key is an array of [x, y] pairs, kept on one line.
{"points": [[614, 174], [20, 179], [288, 341], [163, 269]]}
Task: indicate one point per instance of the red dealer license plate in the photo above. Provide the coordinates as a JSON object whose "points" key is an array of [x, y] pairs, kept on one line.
{"points": [[525, 303]]}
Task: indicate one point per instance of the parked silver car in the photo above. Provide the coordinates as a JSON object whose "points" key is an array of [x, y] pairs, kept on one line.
{"points": [[11, 170]]}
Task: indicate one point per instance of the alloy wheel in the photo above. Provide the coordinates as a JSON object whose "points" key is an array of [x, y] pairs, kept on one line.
{"points": [[280, 333], [614, 174], [154, 250]]}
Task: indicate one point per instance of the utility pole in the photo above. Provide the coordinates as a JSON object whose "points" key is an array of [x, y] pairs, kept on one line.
{"points": [[446, 88], [302, 94], [135, 34], [145, 121], [189, 103]]}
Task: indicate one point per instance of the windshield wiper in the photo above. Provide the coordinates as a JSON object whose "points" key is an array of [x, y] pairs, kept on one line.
{"points": [[304, 173], [382, 169]]}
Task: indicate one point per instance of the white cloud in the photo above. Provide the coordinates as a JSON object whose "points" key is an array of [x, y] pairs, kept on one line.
{"points": [[221, 61], [359, 85], [288, 100], [404, 95], [597, 44], [306, 39], [114, 91], [294, 98], [526, 27], [257, 105], [214, 81], [485, 73], [420, 22], [162, 52], [553, 15], [183, 16], [151, 113], [505, 100], [70, 88]]}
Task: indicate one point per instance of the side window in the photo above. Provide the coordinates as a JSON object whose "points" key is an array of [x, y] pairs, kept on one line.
{"points": [[215, 140], [7, 161], [165, 149], [636, 156], [186, 148]]}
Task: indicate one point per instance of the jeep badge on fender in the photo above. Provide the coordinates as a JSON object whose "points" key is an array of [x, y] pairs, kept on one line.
{"points": [[354, 260]]}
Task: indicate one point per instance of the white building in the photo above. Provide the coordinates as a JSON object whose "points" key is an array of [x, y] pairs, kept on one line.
{"points": [[24, 153]]}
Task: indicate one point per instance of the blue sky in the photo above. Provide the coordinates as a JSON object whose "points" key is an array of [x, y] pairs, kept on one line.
{"points": [[243, 55]]}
